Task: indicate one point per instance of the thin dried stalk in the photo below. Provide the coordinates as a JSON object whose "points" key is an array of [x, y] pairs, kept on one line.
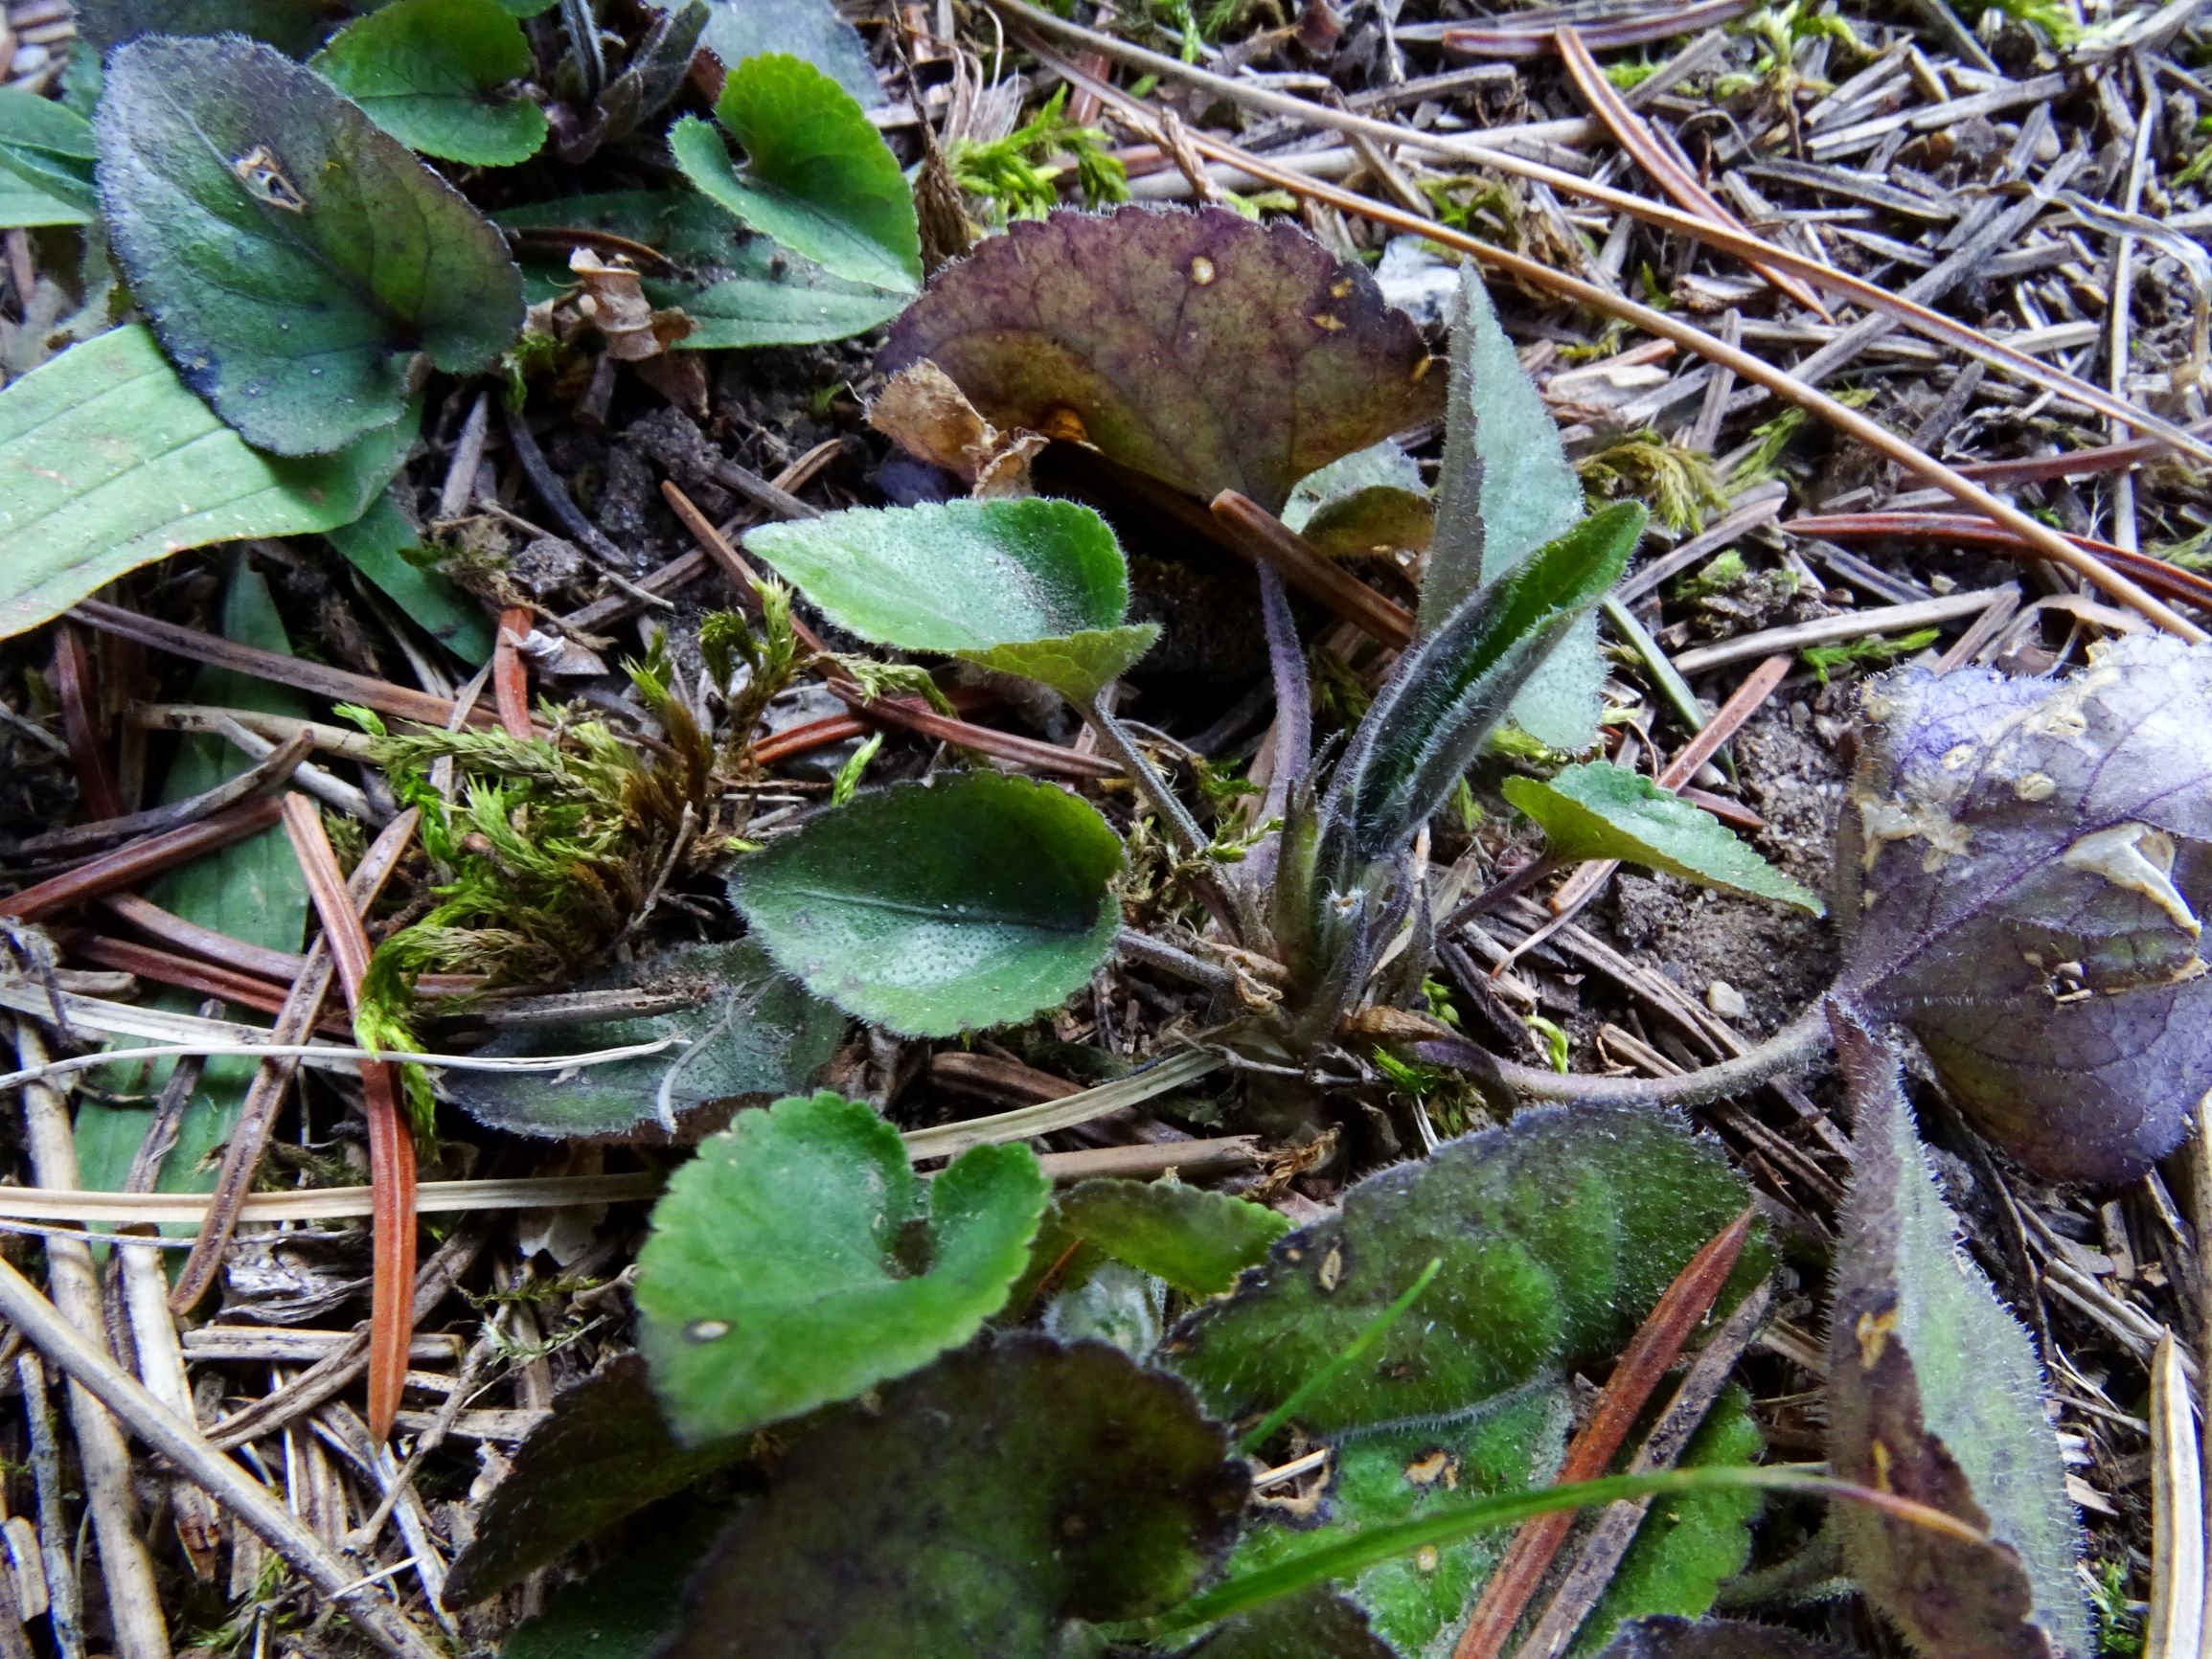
{"points": [[258, 1115], [2176, 1626], [391, 1139], [93, 1374], [133, 1598], [134, 861]]}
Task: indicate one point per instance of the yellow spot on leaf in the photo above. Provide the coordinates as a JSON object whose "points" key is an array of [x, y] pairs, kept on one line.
{"points": [[1201, 270]]}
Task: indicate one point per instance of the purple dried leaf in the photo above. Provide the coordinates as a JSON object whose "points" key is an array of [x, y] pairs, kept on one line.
{"points": [[1201, 347], [2020, 869]]}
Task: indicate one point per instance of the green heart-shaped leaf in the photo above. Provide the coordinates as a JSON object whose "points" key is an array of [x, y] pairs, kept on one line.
{"points": [[431, 73], [1034, 587], [108, 461], [817, 176], [931, 909], [1601, 810], [301, 267], [779, 1276]]}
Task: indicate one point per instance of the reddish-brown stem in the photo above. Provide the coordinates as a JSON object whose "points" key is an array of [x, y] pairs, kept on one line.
{"points": [[1653, 1348], [258, 1115], [74, 690], [1259, 536], [391, 1147], [509, 674], [2168, 580], [1652, 153], [264, 777], [204, 978], [280, 966], [315, 678], [797, 740], [134, 861]]}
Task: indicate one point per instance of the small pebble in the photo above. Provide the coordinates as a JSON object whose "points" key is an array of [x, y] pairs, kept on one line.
{"points": [[1726, 1000]]}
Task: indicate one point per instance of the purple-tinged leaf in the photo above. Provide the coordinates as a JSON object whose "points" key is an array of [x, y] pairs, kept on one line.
{"points": [[1200, 348], [2020, 869], [1934, 1395]]}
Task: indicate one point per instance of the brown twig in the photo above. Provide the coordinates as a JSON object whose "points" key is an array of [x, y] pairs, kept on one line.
{"points": [[282, 967], [315, 678], [509, 674], [264, 777], [1251, 531], [391, 1141], [1584, 1581], [74, 690], [1641, 1365], [2184, 586], [133, 862], [249, 1138], [1651, 153]]}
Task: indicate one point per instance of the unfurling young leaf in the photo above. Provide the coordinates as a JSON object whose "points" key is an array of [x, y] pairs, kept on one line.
{"points": [[1601, 810], [781, 1276], [1555, 1236], [1934, 1394], [1373, 501], [108, 461], [604, 1452], [816, 176], [987, 1502], [1034, 587], [737, 289], [1200, 348], [1507, 488], [1449, 691], [751, 1032], [2022, 867], [302, 269], [933, 909], [431, 73], [1197, 1240]]}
